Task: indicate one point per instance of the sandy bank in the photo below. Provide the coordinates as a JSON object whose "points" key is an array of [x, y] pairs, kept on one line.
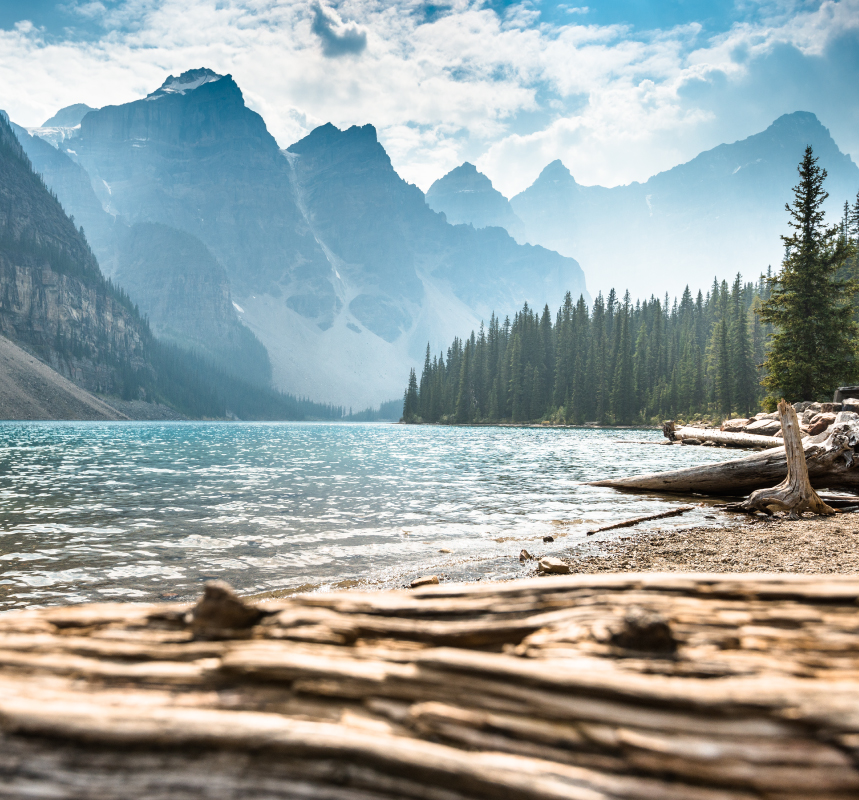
{"points": [[809, 545]]}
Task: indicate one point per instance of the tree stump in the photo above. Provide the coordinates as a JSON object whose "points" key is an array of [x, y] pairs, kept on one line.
{"points": [[795, 493]]}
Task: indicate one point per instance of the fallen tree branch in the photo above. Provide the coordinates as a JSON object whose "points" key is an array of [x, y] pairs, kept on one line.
{"points": [[630, 522]]}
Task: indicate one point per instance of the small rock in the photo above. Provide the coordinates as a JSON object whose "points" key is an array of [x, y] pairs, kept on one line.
{"points": [[850, 404], [691, 440], [525, 556], [554, 565], [830, 408], [424, 580], [444, 550], [764, 427], [548, 538]]}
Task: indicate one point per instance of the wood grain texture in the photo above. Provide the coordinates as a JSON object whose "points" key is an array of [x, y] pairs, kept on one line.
{"points": [[669, 687]]}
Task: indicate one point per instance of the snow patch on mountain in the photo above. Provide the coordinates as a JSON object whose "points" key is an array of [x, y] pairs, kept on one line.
{"points": [[55, 135], [186, 82]]}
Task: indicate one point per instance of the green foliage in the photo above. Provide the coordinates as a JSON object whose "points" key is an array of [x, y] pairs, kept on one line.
{"points": [[813, 348], [616, 363], [411, 404]]}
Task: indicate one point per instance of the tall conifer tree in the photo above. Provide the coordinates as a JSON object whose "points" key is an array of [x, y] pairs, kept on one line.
{"points": [[813, 348]]}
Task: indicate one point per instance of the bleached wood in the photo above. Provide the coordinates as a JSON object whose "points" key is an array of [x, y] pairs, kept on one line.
{"points": [[558, 687]]}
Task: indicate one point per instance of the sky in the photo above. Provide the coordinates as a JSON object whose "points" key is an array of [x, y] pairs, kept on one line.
{"points": [[617, 90]]}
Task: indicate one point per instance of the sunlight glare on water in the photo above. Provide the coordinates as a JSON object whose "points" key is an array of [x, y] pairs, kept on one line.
{"points": [[147, 511]]}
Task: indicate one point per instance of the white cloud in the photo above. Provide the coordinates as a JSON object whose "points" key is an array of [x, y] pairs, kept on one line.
{"points": [[509, 92]]}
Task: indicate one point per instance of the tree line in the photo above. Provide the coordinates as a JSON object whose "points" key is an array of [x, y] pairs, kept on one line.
{"points": [[727, 351]]}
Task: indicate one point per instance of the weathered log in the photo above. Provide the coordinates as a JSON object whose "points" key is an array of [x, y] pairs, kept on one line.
{"points": [[829, 456], [724, 437], [794, 494], [675, 512], [610, 687]]}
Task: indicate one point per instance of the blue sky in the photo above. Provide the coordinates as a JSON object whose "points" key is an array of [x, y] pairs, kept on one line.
{"points": [[617, 90]]}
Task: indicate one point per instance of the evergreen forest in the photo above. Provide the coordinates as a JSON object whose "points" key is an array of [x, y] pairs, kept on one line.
{"points": [[622, 362]]}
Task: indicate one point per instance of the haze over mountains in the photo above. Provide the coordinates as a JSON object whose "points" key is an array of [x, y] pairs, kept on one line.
{"points": [[317, 268], [720, 213], [335, 263]]}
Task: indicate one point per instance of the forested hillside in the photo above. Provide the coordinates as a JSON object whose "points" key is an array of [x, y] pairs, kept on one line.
{"points": [[616, 363]]}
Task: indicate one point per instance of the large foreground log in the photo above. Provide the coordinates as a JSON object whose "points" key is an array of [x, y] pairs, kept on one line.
{"points": [[634, 687], [829, 456], [794, 494]]}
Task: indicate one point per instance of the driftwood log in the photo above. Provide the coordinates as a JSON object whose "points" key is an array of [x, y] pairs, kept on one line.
{"points": [[724, 437], [830, 456], [794, 494], [641, 687]]}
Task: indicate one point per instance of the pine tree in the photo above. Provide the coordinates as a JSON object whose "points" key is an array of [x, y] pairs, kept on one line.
{"points": [[743, 372], [813, 348], [410, 400]]}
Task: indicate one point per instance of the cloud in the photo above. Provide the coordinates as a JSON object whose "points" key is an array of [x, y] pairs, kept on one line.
{"points": [[506, 90], [337, 39]]}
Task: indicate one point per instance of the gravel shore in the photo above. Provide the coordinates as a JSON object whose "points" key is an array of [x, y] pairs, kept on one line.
{"points": [[777, 544]]}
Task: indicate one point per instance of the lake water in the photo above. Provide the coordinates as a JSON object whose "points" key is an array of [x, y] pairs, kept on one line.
{"points": [[147, 511]]}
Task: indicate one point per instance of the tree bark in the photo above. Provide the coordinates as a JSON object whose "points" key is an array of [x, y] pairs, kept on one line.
{"points": [[603, 687], [829, 458], [794, 494]]}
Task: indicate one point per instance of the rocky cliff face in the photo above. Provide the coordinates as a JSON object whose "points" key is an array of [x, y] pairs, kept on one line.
{"points": [[466, 196], [53, 298], [720, 213], [185, 294], [336, 264], [202, 162]]}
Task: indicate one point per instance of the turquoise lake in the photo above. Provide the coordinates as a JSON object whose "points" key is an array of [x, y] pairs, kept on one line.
{"points": [[148, 511]]}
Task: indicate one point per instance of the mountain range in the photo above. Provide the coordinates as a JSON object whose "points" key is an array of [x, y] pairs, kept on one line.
{"points": [[332, 261], [720, 213], [316, 269]]}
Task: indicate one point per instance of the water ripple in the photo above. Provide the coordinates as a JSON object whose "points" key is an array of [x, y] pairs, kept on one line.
{"points": [[142, 511]]}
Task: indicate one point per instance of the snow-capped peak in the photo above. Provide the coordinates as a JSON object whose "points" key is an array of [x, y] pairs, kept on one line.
{"points": [[186, 82]]}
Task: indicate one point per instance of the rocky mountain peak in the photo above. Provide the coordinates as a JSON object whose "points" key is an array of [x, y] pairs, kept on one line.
{"points": [[358, 144], [186, 82], [464, 178], [68, 117], [555, 172], [467, 196]]}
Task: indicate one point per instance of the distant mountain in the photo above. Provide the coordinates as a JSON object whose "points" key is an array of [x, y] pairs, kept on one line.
{"points": [[718, 214], [337, 264], [56, 305], [466, 196], [185, 294], [169, 274], [68, 117]]}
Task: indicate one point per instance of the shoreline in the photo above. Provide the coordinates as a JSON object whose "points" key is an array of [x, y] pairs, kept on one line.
{"points": [[811, 545]]}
